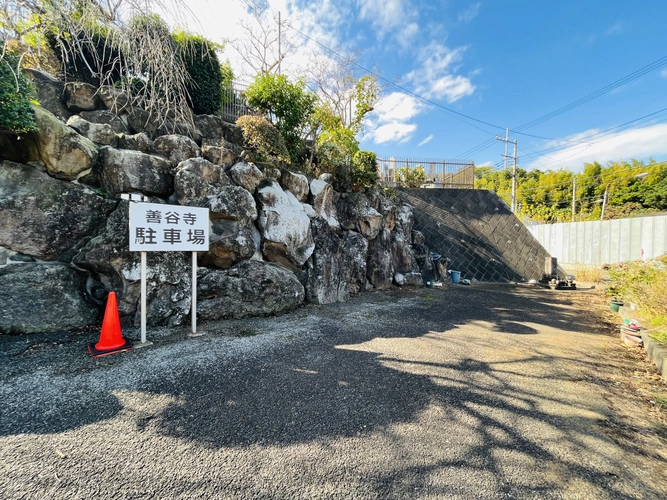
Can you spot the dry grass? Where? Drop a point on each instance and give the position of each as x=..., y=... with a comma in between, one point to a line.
x=588, y=273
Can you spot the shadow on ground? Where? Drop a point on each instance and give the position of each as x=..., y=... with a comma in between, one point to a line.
x=370, y=368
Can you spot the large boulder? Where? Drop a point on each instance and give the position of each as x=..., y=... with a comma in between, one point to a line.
x=138, y=142
x=230, y=242
x=356, y=214
x=219, y=155
x=214, y=127
x=295, y=183
x=250, y=288
x=384, y=206
x=220, y=142
x=405, y=220
x=44, y=217
x=246, y=175
x=321, y=194
x=171, y=126
x=64, y=152
x=81, y=96
x=123, y=170
x=379, y=266
x=200, y=183
x=104, y=117
x=331, y=269
x=402, y=255
x=114, y=100
x=141, y=120
x=50, y=92
x=285, y=227
x=43, y=297
x=176, y=148
x=99, y=133
x=108, y=257
x=355, y=252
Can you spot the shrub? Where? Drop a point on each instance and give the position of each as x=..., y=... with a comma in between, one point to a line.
x=16, y=116
x=410, y=177
x=645, y=284
x=288, y=105
x=364, y=171
x=263, y=138
x=201, y=63
x=335, y=149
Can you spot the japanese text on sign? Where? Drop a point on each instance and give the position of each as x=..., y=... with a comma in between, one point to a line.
x=166, y=228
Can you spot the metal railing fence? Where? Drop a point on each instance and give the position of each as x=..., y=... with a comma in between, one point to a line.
x=439, y=173
x=234, y=103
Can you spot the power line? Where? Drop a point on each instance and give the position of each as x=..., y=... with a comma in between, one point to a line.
x=403, y=89
x=600, y=136
x=604, y=90
x=463, y=117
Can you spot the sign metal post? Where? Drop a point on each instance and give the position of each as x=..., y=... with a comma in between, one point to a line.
x=143, y=299
x=167, y=228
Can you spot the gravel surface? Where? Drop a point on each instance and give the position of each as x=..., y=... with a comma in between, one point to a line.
x=460, y=392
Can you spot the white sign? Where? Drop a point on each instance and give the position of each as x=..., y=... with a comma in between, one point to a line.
x=168, y=228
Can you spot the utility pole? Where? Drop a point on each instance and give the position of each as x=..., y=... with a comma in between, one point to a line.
x=280, y=56
x=506, y=140
x=514, y=165
x=574, y=197
x=604, y=201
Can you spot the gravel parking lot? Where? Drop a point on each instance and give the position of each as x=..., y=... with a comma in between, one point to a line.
x=459, y=392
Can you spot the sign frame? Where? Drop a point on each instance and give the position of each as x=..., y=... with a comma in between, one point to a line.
x=157, y=227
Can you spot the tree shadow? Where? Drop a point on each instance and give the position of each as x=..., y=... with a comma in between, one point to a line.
x=363, y=377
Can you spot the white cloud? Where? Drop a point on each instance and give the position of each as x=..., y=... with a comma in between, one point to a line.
x=397, y=106
x=663, y=73
x=435, y=78
x=389, y=121
x=470, y=13
x=639, y=143
x=395, y=17
x=393, y=132
x=221, y=22
x=425, y=141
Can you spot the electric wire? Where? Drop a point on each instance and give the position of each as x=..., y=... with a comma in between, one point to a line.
x=594, y=95
x=517, y=130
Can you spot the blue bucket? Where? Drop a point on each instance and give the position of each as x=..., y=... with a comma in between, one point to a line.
x=456, y=276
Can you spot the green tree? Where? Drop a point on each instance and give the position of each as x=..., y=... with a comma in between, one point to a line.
x=410, y=177
x=288, y=105
x=364, y=171
x=335, y=149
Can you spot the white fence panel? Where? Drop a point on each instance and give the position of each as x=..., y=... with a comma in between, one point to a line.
x=604, y=242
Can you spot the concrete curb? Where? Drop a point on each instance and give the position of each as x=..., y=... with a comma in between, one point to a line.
x=657, y=353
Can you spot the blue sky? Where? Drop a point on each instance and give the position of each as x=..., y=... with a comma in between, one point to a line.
x=504, y=63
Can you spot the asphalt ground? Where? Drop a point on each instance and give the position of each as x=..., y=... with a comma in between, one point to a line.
x=459, y=392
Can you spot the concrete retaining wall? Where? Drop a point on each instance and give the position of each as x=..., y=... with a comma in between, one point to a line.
x=477, y=232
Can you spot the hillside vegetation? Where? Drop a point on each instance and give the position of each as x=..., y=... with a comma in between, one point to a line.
x=633, y=188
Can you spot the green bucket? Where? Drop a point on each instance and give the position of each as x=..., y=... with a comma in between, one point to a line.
x=614, y=305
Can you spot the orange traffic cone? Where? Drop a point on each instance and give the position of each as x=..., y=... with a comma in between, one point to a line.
x=111, y=338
